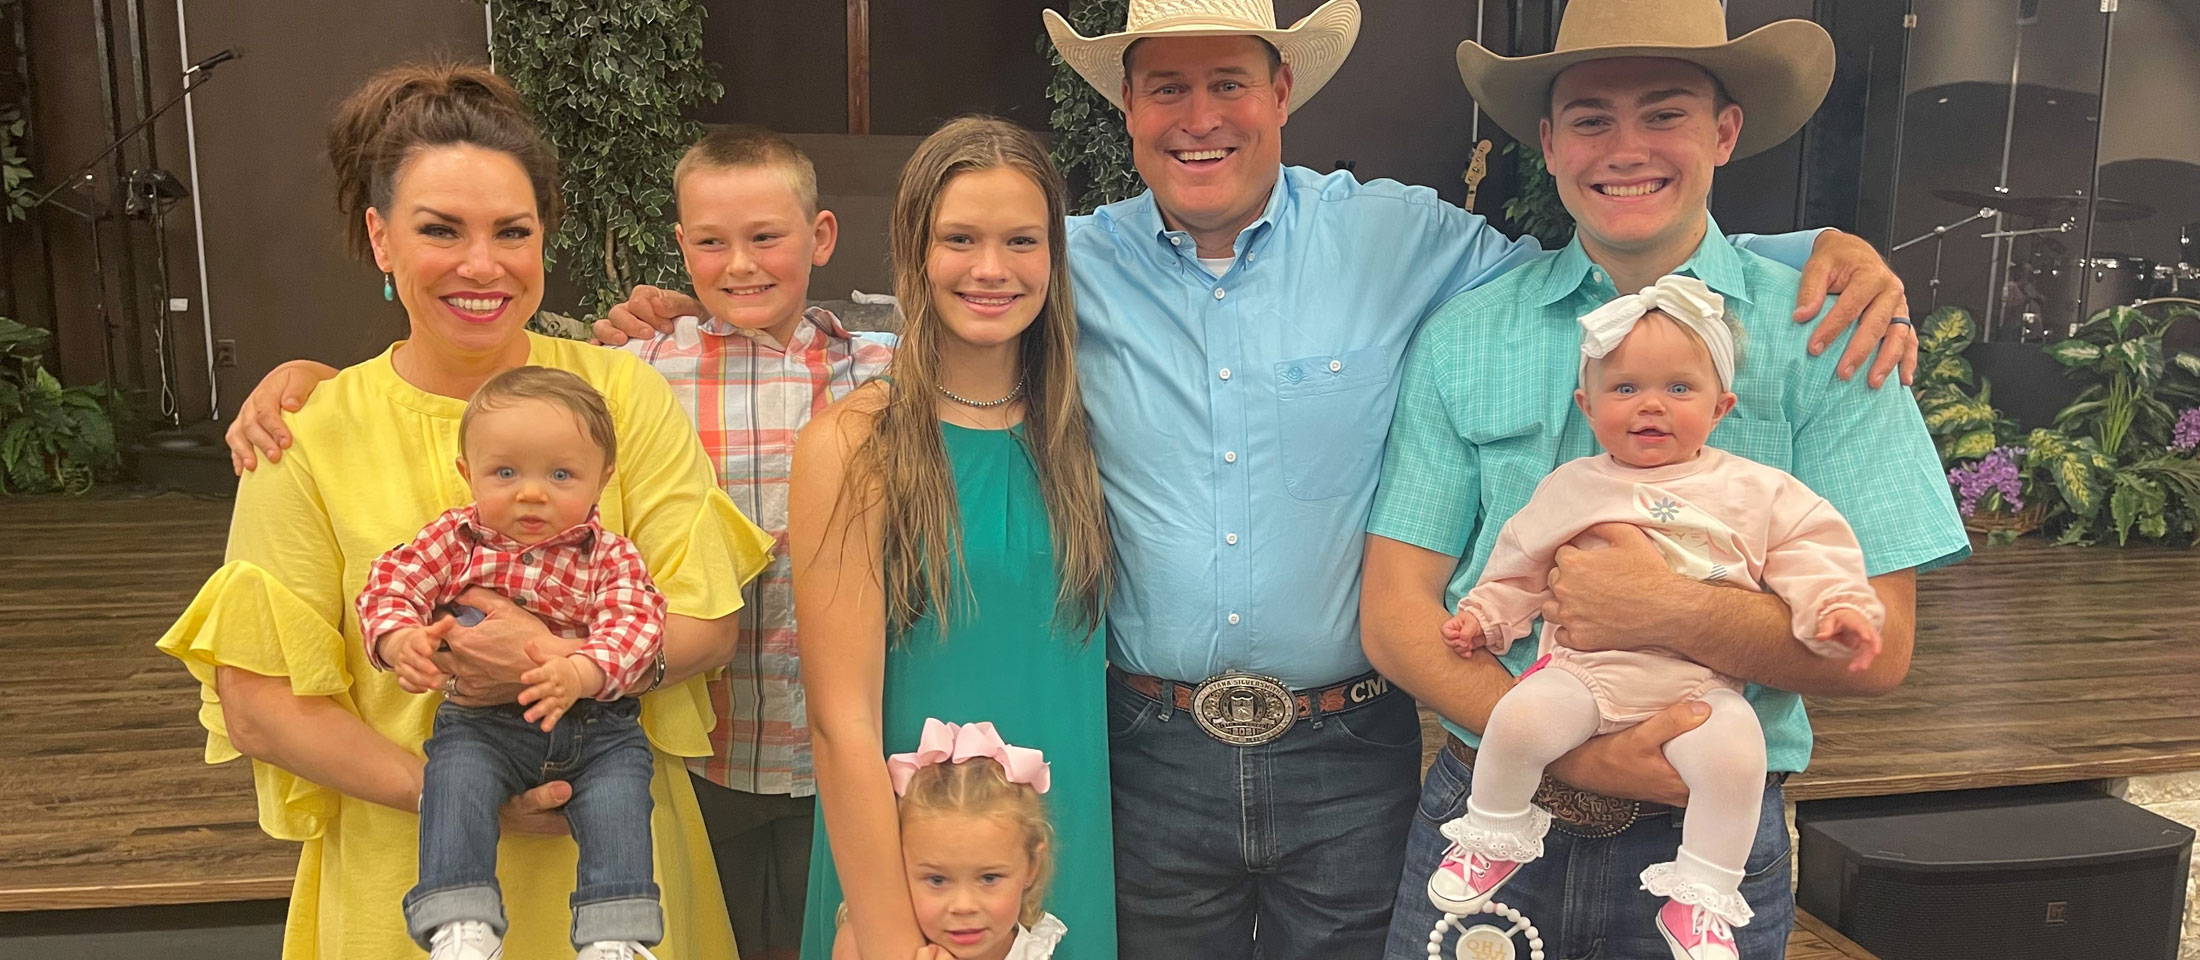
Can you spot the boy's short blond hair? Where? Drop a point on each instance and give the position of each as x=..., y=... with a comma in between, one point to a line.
x=735, y=147
x=552, y=386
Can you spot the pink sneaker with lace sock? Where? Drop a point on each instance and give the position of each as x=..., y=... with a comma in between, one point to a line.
x=1696, y=933
x=1464, y=880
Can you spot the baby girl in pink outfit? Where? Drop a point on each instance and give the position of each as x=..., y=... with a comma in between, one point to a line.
x=1655, y=371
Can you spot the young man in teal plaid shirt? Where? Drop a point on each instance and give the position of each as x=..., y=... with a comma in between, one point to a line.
x=1485, y=411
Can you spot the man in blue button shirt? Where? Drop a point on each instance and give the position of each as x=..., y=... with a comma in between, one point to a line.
x=1243, y=325
x=1635, y=111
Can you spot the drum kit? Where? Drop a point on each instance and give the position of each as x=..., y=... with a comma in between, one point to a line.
x=2051, y=287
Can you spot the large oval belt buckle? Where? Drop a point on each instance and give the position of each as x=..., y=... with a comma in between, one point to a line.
x=1243, y=709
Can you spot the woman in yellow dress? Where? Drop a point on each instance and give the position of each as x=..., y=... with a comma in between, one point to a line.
x=450, y=188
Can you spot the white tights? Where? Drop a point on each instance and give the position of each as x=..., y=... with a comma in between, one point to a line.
x=1722, y=762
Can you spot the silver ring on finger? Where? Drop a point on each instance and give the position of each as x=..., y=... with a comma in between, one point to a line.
x=450, y=687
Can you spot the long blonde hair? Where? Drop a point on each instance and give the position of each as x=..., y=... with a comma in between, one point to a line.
x=904, y=459
x=978, y=787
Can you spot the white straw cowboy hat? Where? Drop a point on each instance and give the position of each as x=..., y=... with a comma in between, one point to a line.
x=1778, y=73
x=1313, y=48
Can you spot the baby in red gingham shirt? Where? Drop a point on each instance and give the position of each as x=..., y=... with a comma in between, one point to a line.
x=537, y=448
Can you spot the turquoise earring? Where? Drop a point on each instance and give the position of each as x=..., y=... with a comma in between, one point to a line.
x=389, y=288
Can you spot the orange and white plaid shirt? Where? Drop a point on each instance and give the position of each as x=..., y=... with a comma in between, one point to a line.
x=749, y=397
x=585, y=582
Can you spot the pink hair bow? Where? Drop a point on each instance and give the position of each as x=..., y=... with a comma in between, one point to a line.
x=954, y=743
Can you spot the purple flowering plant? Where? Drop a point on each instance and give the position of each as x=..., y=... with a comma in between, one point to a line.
x=2185, y=435
x=1995, y=482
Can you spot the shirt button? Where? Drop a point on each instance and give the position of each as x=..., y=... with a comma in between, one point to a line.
x=1250, y=257
x=1176, y=241
x=1229, y=456
x=1218, y=293
x=1225, y=373
x=1231, y=539
x=1233, y=619
x=527, y=558
x=521, y=599
x=1336, y=365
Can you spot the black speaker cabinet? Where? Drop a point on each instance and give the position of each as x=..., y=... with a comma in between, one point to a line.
x=2013, y=874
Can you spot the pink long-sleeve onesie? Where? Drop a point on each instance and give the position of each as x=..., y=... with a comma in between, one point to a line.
x=1718, y=518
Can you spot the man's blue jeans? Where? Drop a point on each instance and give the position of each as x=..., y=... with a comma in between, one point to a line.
x=1584, y=895
x=1299, y=837
x=480, y=757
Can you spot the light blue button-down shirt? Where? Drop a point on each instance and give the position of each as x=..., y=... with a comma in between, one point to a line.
x=1239, y=420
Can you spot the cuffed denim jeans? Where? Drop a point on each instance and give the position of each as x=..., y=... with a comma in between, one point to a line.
x=1585, y=896
x=480, y=757
x=1298, y=839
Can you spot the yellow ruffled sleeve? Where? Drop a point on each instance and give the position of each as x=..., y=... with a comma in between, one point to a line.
x=274, y=609
x=247, y=619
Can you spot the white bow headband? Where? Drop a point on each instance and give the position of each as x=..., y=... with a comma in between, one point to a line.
x=1686, y=299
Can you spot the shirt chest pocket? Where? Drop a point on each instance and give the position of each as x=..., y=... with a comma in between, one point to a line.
x=1332, y=418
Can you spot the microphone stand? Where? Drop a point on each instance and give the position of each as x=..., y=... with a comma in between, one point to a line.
x=82, y=177
x=1936, y=235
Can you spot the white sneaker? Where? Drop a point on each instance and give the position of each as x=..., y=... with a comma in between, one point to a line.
x=614, y=950
x=465, y=940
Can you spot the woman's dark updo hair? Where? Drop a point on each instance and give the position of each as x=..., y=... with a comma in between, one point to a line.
x=415, y=106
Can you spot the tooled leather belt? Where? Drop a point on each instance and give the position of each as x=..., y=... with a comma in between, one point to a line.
x=1245, y=709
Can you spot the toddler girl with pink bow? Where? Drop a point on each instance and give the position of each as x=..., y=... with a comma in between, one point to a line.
x=976, y=844
x=1656, y=373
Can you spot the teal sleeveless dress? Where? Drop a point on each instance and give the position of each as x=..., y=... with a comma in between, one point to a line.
x=1006, y=660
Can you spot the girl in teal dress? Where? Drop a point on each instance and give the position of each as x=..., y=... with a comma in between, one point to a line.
x=950, y=546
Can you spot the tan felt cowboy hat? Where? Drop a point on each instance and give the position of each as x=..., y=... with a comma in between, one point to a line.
x=1778, y=72
x=1313, y=48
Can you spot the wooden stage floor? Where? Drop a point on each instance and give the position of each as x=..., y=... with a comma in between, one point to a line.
x=2034, y=665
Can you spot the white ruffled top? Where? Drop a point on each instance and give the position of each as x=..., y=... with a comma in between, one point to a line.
x=1037, y=942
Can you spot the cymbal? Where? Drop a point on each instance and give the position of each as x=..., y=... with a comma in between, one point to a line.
x=2047, y=207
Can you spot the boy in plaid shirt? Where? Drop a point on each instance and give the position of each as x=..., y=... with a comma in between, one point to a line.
x=536, y=449
x=751, y=374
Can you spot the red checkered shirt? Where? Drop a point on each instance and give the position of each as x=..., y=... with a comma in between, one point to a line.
x=584, y=583
x=748, y=397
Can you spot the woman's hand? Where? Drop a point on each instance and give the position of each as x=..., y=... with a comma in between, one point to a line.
x=538, y=811
x=259, y=420
x=488, y=658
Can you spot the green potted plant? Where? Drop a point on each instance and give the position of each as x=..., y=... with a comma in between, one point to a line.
x=55, y=438
x=2113, y=453
x=1995, y=489
x=1964, y=423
